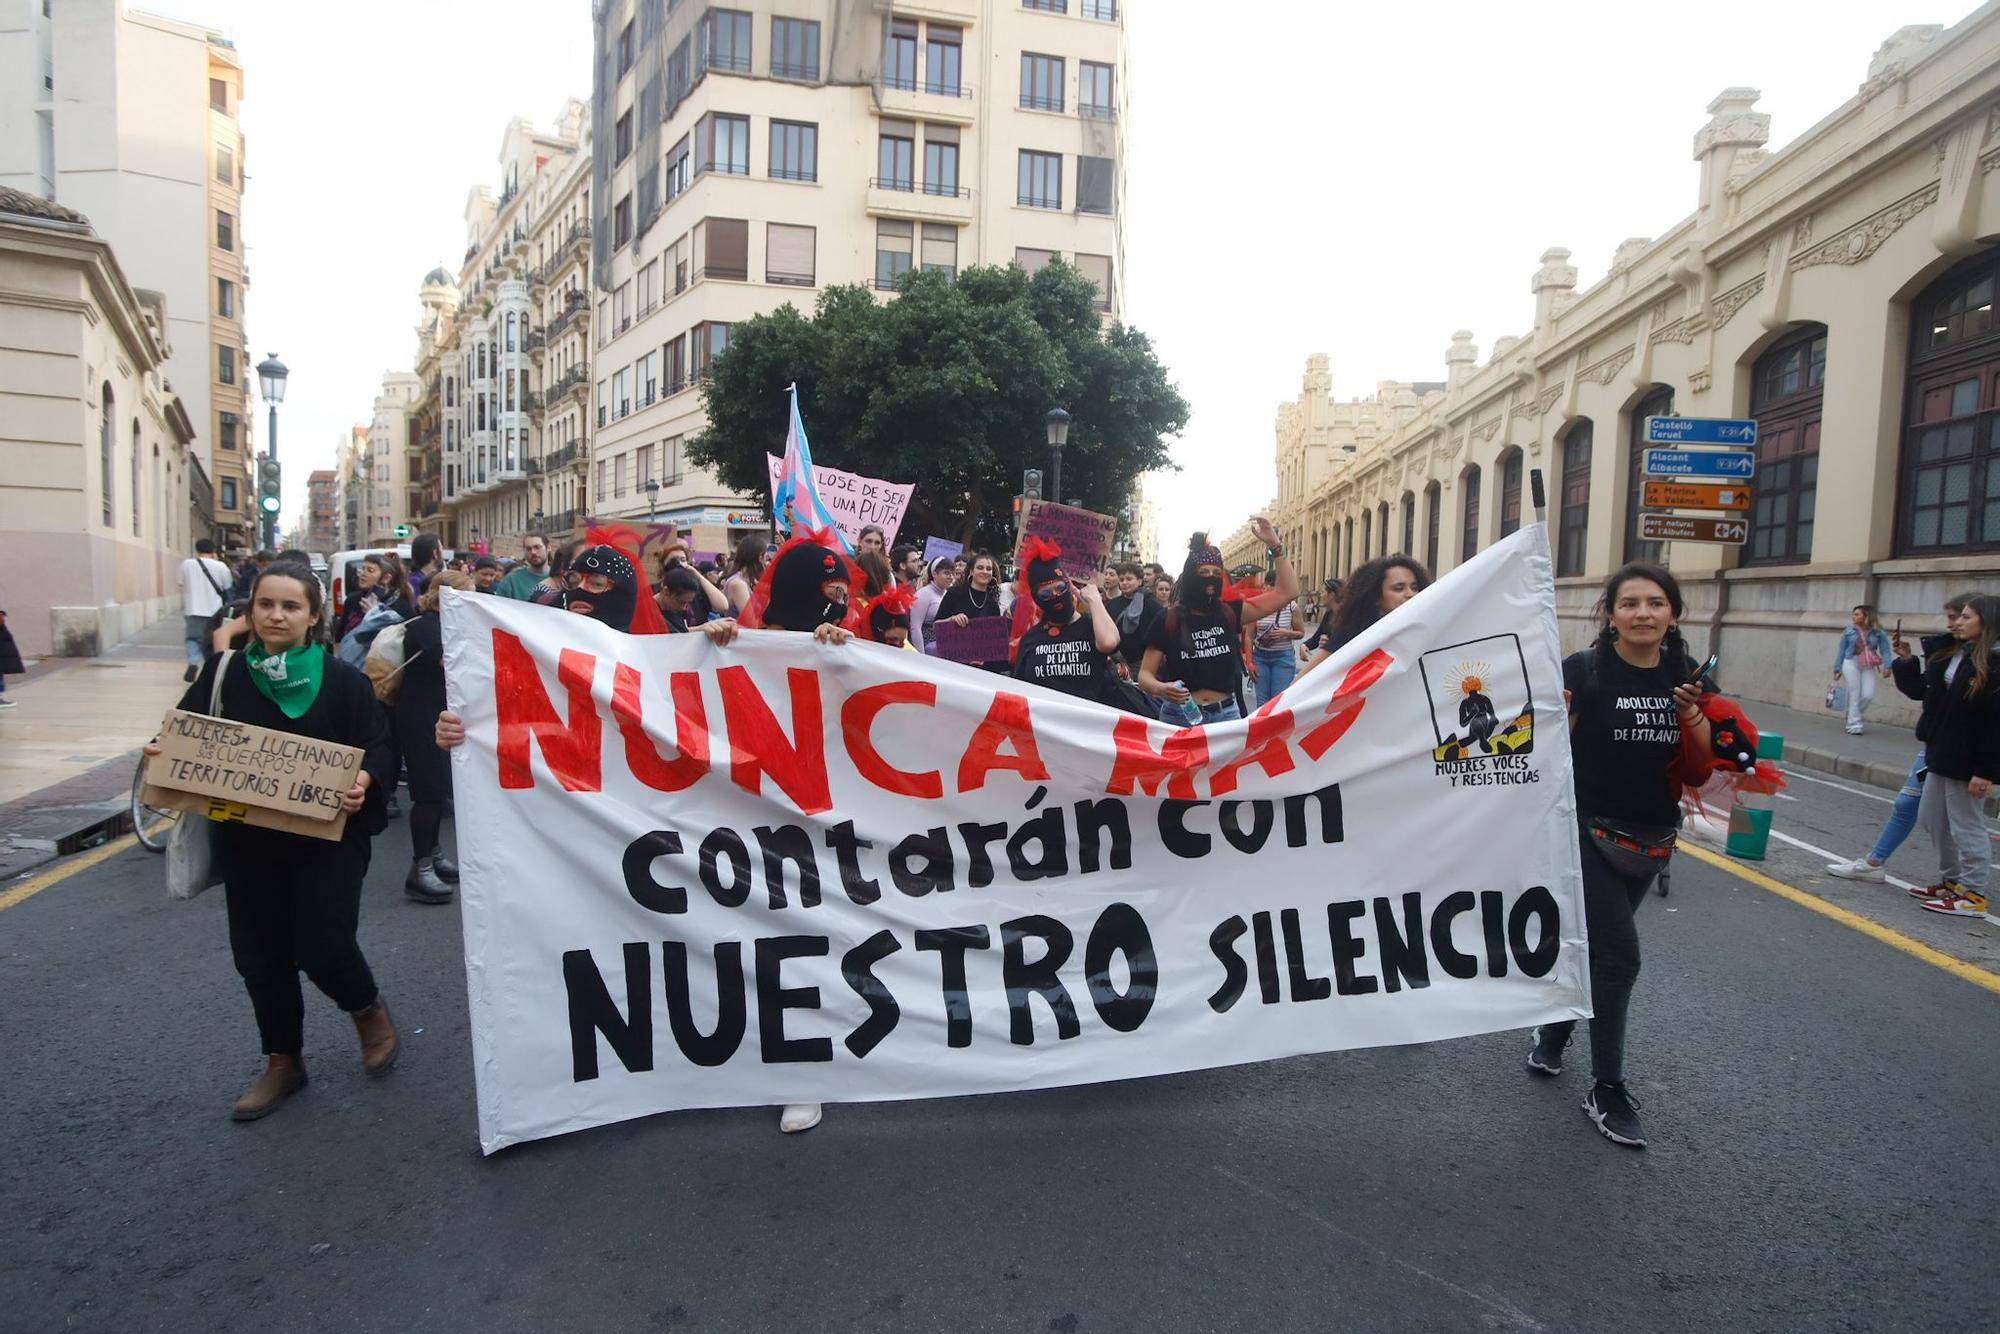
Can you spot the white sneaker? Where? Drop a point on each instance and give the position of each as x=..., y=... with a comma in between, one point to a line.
x=798, y=1116
x=6, y=703
x=1854, y=729
x=1858, y=869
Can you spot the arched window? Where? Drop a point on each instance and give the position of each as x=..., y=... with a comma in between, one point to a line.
x=1409, y=541
x=104, y=448
x=510, y=331
x=1573, y=511
x=1433, y=520
x=1347, y=549
x=1468, y=538
x=1366, y=550
x=1657, y=403
x=1510, y=492
x=1786, y=390
x=1382, y=528
x=1948, y=488
x=137, y=506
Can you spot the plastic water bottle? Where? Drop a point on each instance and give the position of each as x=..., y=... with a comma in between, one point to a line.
x=1190, y=711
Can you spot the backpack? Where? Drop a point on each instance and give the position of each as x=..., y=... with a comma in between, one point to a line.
x=385, y=662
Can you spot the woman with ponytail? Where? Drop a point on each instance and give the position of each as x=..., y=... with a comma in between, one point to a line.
x=1637, y=735
x=1958, y=680
x=1192, y=651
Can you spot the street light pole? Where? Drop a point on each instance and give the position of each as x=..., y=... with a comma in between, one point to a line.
x=271, y=376
x=652, y=490
x=1058, y=423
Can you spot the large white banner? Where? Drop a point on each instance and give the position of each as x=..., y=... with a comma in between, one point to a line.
x=790, y=872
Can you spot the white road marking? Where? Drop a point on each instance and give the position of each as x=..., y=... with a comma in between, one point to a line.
x=1791, y=774
x=1831, y=857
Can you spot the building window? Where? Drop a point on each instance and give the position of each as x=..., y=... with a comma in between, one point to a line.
x=1433, y=522
x=1093, y=90
x=940, y=161
x=942, y=49
x=1468, y=538
x=788, y=254
x=1106, y=10
x=625, y=49
x=1348, y=546
x=895, y=156
x=892, y=251
x=1787, y=389
x=899, y=55
x=794, y=49
x=1047, y=6
x=1366, y=526
x=1040, y=180
x=622, y=138
x=1409, y=541
x=1097, y=268
x=940, y=249
x=1949, y=462
x=225, y=358
x=226, y=434
x=104, y=447
x=225, y=165
x=225, y=298
x=229, y=493
x=1032, y=261
x=218, y=95
x=679, y=76
x=794, y=150
x=1658, y=403
x=1510, y=493
x=1041, y=82
x=725, y=245
x=1573, y=507
x=678, y=173
x=673, y=364
x=711, y=340
x=724, y=41
x=510, y=335
x=1096, y=184
x=722, y=144
x=621, y=223
x=225, y=230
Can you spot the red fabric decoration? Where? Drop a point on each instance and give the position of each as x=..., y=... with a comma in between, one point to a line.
x=857, y=584
x=626, y=540
x=896, y=600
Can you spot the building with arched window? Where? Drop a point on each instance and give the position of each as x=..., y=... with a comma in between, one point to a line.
x=1841, y=292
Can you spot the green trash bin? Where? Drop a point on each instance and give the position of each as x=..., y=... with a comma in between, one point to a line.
x=1749, y=831
x=1770, y=746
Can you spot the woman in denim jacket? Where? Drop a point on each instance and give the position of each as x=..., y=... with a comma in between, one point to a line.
x=1861, y=660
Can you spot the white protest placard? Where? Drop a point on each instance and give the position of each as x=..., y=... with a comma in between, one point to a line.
x=783, y=871
x=855, y=501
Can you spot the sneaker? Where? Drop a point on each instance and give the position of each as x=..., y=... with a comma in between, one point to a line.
x=798, y=1116
x=190, y=674
x=1615, y=1114
x=1962, y=904
x=1858, y=869
x=1854, y=729
x=6, y=703
x=1546, y=1056
x=1939, y=890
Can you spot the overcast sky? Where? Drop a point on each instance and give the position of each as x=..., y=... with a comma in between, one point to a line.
x=1303, y=177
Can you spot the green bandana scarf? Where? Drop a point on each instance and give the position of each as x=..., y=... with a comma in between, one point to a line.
x=290, y=679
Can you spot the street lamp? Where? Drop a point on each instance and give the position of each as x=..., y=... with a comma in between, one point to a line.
x=1058, y=421
x=652, y=490
x=271, y=375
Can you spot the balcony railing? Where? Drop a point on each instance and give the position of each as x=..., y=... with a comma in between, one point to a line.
x=783, y=69
x=947, y=89
x=1095, y=111
x=1039, y=201
x=1029, y=103
x=947, y=190
x=907, y=184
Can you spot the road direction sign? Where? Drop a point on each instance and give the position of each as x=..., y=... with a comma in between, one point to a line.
x=1718, y=465
x=1701, y=431
x=1697, y=496
x=1678, y=528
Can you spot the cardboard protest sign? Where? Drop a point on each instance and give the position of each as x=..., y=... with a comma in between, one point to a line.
x=783, y=871
x=855, y=501
x=980, y=639
x=937, y=548
x=236, y=771
x=1085, y=536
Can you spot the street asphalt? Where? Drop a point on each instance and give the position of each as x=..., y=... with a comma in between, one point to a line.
x=1820, y=1107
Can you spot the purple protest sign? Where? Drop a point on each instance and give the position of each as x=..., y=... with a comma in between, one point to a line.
x=981, y=639
x=1084, y=535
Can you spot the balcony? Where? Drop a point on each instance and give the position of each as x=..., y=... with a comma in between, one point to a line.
x=538, y=343
x=561, y=524
x=565, y=457
x=949, y=104
x=901, y=197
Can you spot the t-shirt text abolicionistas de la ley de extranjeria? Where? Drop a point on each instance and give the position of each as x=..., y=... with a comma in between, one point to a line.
x=1627, y=733
x=1067, y=660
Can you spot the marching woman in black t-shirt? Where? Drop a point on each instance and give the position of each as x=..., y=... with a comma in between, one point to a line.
x=1636, y=731
x=1192, y=650
x=1069, y=647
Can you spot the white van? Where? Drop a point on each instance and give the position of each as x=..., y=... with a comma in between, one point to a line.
x=344, y=570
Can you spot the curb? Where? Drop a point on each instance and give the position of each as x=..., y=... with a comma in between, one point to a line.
x=1874, y=773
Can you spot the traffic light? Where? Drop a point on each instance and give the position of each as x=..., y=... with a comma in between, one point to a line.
x=269, y=499
x=1031, y=482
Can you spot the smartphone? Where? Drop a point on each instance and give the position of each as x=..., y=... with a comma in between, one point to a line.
x=1707, y=667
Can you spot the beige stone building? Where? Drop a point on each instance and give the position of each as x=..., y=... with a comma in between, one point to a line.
x=382, y=469
x=746, y=157
x=1840, y=292
x=131, y=119
x=320, y=528
x=94, y=465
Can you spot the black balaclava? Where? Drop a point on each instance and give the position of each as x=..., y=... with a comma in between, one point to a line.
x=798, y=598
x=1058, y=604
x=615, y=607
x=1201, y=593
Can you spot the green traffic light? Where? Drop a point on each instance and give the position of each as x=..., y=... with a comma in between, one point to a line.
x=270, y=504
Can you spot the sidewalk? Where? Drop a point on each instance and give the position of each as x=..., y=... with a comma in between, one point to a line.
x=74, y=734
x=1819, y=742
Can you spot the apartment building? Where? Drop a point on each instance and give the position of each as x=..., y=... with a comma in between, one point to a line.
x=1840, y=292
x=746, y=157
x=321, y=530
x=350, y=486
x=131, y=119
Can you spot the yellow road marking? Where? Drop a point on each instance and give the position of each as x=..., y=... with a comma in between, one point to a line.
x=1916, y=949
x=27, y=889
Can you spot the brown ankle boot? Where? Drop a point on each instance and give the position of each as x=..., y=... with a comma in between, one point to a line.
x=284, y=1076
x=378, y=1037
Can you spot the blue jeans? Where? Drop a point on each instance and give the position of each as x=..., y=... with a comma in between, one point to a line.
x=194, y=636
x=1222, y=711
x=1275, y=669
x=1903, y=816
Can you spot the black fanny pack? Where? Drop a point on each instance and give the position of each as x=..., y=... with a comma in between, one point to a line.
x=1632, y=850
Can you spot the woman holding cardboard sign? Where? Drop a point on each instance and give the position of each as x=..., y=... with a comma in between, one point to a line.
x=294, y=901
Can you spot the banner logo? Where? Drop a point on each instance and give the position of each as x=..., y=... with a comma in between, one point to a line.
x=1482, y=711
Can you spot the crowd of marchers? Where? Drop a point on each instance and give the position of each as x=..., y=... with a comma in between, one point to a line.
x=1200, y=646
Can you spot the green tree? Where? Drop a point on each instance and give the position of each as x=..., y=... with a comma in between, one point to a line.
x=947, y=386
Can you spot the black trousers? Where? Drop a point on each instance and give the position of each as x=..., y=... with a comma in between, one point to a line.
x=294, y=904
x=1610, y=904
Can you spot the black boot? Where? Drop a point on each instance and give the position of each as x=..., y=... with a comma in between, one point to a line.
x=446, y=868
x=422, y=885
x=395, y=810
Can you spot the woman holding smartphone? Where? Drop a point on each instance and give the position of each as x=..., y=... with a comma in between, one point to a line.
x=1958, y=680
